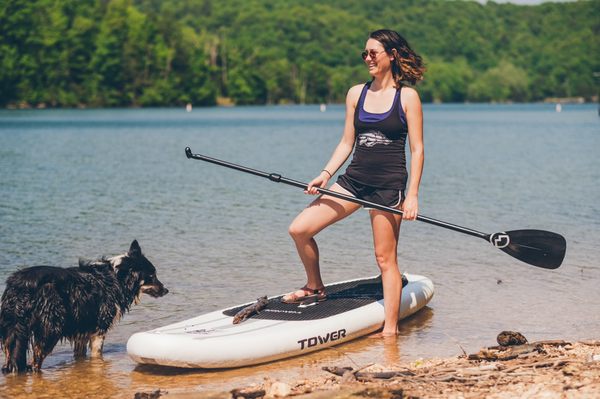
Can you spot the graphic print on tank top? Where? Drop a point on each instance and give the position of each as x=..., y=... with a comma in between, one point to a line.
x=372, y=138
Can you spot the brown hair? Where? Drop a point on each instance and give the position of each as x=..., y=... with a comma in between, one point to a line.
x=407, y=65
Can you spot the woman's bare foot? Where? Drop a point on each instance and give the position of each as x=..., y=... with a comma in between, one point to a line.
x=384, y=335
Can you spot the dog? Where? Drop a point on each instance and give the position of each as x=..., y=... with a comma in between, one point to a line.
x=43, y=305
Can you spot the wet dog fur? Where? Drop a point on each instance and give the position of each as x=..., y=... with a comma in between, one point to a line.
x=43, y=305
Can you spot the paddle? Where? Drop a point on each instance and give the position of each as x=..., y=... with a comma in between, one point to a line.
x=537, y=247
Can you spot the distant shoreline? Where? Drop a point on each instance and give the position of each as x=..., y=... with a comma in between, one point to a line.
x=549, y=100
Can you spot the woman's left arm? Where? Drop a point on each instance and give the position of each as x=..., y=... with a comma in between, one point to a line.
x=414, y=119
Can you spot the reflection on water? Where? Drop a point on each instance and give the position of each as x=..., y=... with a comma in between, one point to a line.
x=86, y=183
x=82, y=378
x=116, y=376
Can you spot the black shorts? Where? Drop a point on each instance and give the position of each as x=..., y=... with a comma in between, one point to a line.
x=382, y=196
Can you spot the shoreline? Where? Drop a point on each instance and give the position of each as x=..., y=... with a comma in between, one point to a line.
x=549, y=369
x=228, y=104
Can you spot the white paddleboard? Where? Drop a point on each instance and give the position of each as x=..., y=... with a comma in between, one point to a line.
x=353, y=309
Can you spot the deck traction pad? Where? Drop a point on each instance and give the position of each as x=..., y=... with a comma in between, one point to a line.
x=341, y=297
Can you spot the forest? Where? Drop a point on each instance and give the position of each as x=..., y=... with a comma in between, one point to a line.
x=142, y=53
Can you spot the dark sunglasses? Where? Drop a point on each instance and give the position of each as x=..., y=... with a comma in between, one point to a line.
x=370, y=53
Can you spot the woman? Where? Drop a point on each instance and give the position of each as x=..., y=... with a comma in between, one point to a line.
x=379, y=117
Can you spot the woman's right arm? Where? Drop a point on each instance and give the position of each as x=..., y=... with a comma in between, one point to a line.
x=344, y=147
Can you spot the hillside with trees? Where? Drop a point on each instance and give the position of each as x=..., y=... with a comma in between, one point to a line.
x=121, y=53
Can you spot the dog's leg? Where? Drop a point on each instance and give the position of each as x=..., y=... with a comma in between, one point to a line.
x=80, y=346
x=38, y=355
x=41, y=347
x=6, y=367
x=96, y=344
x=16, y=356
x=48, y=320
x=3, y=335
x=15, y=348
x=15, y=314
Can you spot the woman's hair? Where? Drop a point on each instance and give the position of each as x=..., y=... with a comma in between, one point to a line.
x=407, y=65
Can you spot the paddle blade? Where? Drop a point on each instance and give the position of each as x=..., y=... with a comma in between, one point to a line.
x=536, y=247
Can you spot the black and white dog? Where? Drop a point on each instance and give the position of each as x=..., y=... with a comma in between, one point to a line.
x=46, y=304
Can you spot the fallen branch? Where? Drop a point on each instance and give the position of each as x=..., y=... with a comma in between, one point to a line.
x=340, y=371
x=590, y=342
x=247, y=394
x=500, y=352
x=250, y=310
x=149, y=395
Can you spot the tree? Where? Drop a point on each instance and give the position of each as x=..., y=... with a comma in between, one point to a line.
x=446, y=81
x=500, y=83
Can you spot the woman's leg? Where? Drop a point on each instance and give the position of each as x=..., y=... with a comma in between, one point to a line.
x=321, y=213
x=386, y=231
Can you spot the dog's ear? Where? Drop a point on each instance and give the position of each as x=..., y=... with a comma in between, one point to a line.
x=134, y=249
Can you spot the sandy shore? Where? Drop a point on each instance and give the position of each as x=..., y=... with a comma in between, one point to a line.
x=544, y=369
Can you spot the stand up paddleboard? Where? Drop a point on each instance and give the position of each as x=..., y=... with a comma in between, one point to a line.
x=353, y=309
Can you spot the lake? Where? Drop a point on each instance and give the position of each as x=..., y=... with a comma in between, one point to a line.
x=85, y=183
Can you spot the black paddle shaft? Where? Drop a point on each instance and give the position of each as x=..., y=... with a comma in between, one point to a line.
x=537, y=247
x=276, y=177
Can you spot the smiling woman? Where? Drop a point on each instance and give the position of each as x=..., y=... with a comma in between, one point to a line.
x=407, y=66
x=380, y=115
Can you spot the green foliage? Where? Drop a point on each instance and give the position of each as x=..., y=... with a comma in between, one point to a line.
x=173, y=52
x=500, y=83
x=447, y=81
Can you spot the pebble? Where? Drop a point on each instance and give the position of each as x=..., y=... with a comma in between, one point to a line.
x=348, y=377
x=279, y=390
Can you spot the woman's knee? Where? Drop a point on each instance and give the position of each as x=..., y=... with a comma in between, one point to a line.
x=386, y=262
x=298, y=231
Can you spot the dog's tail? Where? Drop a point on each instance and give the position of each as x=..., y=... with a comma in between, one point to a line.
x=15, y=313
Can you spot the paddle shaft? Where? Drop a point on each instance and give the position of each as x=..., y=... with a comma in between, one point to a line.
x=275, y=177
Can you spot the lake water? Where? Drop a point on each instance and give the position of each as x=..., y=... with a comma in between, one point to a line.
x=85, y=183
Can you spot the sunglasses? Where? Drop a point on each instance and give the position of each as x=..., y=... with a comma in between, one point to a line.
x=370, y=53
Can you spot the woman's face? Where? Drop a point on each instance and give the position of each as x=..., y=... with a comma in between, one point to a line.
x=376, y=59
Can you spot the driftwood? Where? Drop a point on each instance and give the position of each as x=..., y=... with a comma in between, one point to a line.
x=149, y=395
x=503, y=354
x=250, y=310
x=493, y=353
x=556, y=367
x=590, y=342
x=366, y=375
x=461, y=374
x=517, y=360
x=247, y=394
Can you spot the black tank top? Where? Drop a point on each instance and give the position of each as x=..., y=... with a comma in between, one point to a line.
x=379, y=159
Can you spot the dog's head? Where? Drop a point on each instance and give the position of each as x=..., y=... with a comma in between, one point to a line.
x=137, y=273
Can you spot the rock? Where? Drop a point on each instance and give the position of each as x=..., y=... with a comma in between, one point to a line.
x=593, y=358
x=149, y=395
x=570, y=370
x=510, y=338
x=348, y=377
x=279, y=390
